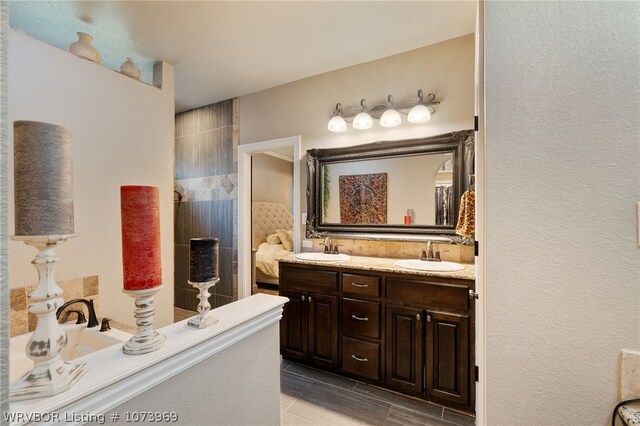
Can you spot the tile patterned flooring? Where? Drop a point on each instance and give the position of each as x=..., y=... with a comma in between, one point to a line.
x=314, y=397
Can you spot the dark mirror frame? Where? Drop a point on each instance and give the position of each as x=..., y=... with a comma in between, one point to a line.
x=460, y=143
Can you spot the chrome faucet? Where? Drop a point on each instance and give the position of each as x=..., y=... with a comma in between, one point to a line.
x=93, y=320
x=428, y=255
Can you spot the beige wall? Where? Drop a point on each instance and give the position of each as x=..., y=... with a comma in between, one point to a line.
x=271, y=180
x=563, y=180
x=304, y=107
x=122, y=133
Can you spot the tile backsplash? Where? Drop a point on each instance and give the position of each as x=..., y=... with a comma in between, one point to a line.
x=22, y=321
x=399, y=249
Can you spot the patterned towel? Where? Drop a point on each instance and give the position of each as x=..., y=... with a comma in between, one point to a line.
x=467, y=218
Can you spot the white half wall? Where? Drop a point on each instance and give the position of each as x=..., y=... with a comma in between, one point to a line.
x=122, y=134
x=562, y=183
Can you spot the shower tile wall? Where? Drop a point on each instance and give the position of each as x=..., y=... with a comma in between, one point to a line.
x=206, y=176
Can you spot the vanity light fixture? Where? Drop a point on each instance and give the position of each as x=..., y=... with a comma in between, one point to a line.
x=391, y=117
x=337, y=123
x=420, y=113
x=418, y=110
x=362, y=120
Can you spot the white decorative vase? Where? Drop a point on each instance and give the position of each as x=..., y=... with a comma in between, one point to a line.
x=83, y=48
x=130, y=69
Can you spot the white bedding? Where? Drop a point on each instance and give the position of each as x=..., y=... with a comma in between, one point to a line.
x=266, y=258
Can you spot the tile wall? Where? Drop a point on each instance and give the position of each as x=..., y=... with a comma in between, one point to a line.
x=21, y=321
x=207, y=178
x=399, y=249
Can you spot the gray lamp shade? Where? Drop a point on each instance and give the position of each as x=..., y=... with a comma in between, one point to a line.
x=203, y=259
x=43, y=179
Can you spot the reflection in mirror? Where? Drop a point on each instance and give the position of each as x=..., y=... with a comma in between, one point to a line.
x=397, y=191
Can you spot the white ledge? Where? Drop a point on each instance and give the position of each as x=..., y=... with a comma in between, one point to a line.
x=113, y=377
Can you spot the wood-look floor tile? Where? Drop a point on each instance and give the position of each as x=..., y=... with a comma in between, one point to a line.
x=284, y=364
x=286, y=400
x=288, y=419
x=400, y=416
x=293, y=384
x=327, y=404
x=321, y=376
x=400, y=400
x=459, y=418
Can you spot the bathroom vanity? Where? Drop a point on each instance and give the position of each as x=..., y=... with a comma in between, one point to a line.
x=410, y=331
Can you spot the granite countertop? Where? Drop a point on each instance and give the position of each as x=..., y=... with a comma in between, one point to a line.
x=382, y=264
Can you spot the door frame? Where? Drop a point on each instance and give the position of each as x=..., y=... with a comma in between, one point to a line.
x=244, y=203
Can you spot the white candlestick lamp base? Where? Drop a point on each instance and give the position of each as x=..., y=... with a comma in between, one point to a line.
x=146, y=338
x=202, y=321
x=50, y=375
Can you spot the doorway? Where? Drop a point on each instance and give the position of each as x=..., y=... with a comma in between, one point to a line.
x=246, y=153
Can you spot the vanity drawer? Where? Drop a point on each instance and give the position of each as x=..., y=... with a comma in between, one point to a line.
x=361, y=285
x=308, y=279
x=427, y=295
x=361, y=358
x=361, y=318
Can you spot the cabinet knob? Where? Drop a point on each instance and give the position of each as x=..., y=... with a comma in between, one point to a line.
x=428, y=318
x=418, y=317
x=309, y=299
x=473, y=295
x=303, y=297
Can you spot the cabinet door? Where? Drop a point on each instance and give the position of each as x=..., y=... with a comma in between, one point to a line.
x=323, y=330
x=293, y=327
x=448, y=356
x=404, y=346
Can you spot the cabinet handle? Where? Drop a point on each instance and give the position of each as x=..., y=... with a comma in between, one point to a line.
x=309, y=299
x=418, y=317
x=303, y=297
x=355, y=317
x=360, y=285
x=473, y=295
x=428, y=318
x=359, y=359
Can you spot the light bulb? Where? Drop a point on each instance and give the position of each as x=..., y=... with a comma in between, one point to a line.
x=390, y=118
x=419, y=114
x=337, y=124
x=362, y=121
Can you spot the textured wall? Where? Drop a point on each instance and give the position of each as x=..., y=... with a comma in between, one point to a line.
x=562, y=258
x=238, y=386
x=122, y=134
x=4, y=177
x=207, y=177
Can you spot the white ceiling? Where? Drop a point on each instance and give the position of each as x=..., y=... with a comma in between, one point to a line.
x=225, y=49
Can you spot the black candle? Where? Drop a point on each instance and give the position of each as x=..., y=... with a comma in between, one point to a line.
x=203, y=259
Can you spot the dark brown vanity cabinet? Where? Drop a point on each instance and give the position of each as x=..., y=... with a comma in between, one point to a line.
x=309, y=328
x=412, y=333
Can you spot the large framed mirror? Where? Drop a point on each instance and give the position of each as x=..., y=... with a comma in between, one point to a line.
x=399, y=189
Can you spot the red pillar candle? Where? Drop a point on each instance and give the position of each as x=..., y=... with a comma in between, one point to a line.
x=140, y=210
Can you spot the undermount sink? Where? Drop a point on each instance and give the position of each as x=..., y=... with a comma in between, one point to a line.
x=424, y=265
x=81, y=341
x=323, y=257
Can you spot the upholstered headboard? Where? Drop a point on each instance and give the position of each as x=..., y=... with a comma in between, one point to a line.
x=266, y=218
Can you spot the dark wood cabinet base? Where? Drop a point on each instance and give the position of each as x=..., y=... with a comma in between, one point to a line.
x=410, y=333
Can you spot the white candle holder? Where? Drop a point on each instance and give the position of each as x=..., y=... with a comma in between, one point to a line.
x=146, y=338
x=202, y=321
x=50, y=374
